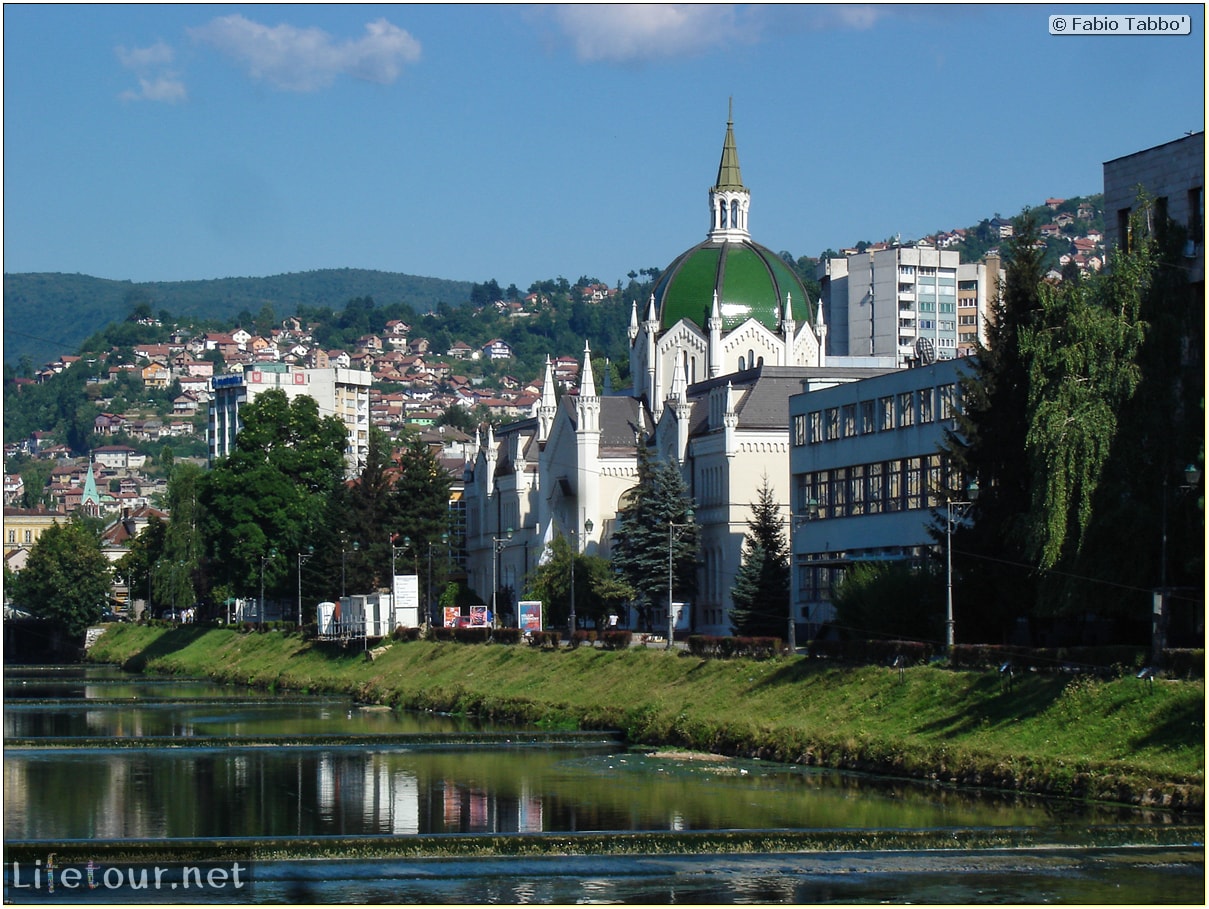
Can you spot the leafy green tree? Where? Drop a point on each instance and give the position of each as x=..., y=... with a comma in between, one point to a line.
x=644, y=538
x=1082, y=353
x=459, y=418
x=67, y=578
x=137, y=565
x=597, y=586
x=889, y=600
x=1119, y=398
x=761, y=589
x=272, y=492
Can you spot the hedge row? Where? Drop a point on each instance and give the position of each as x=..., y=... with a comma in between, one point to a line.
x=1107, y=660
x=712, y=647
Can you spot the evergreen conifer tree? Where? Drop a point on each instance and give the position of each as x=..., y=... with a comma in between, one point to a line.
x=645, y=536
x=761, y=589
x=988, y=448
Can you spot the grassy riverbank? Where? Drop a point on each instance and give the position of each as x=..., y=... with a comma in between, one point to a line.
x=1122, y=740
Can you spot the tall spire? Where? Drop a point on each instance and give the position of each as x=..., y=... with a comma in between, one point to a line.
x=728, y=168
x=90, y=501
x=729, y=199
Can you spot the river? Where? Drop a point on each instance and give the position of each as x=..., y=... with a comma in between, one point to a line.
x=334, y=793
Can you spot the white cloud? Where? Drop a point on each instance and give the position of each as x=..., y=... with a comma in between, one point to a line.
x=143, y=58
x=307, y=59
x=654, y=31
x=618, y=32
x=157, y=88
x=157, y=80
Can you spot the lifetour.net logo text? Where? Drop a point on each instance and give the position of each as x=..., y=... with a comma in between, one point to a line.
x=36, y=880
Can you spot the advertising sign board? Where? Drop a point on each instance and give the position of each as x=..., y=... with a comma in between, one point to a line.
x=531, y=615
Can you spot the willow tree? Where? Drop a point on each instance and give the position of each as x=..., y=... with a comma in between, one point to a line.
x=1083, y=370
x=1117, y=391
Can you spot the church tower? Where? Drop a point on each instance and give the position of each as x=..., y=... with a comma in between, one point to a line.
x=726, y=305
x=729, y=200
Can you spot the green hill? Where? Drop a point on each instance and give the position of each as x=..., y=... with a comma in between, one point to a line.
x=50, y=314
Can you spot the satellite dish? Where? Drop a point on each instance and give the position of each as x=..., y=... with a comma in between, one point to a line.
x=925, y=350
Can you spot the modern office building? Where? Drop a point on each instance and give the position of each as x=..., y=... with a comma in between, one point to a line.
x=339, y=392
x=867, y=473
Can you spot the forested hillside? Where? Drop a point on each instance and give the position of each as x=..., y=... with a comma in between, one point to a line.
x=49, y=314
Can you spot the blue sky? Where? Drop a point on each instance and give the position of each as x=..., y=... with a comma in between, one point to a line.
x=176, y=142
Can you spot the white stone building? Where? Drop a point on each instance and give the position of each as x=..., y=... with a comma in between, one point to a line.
x=728, y=335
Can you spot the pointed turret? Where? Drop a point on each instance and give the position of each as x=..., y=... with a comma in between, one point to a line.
x=714, y=329
x=587, y=403
x=820, y=332
x=587, y=382
x=677, y=401
x=547, y=407
x=490, y=452
x=679, y=390
x=788, y=327
x=729, y=199
x=587, y=441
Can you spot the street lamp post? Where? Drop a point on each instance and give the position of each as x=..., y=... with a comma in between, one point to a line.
x=812, y=512
x=497, y=546
x=303, y=558
x=1192, y=479
x=432, y=606
x=272, y=553
x=955, y=510
x=343, y=559
x=672, y=527
x=574, y=556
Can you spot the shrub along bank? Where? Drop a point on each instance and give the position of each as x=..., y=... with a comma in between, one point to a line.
x=1124, y=740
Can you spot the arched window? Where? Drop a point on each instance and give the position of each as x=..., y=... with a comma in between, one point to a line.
x=741, y=364
x=734, y=212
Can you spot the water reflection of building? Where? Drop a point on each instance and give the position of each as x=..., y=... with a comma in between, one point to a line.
x=369, y=793
x=365, y=793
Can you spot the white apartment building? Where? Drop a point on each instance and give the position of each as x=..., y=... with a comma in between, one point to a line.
x=902, y=302
x=339, y=392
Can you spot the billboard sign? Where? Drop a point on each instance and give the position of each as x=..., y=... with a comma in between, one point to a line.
x=531, y=615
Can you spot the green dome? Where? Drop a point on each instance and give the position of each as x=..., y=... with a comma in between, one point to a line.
x=752, y=282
